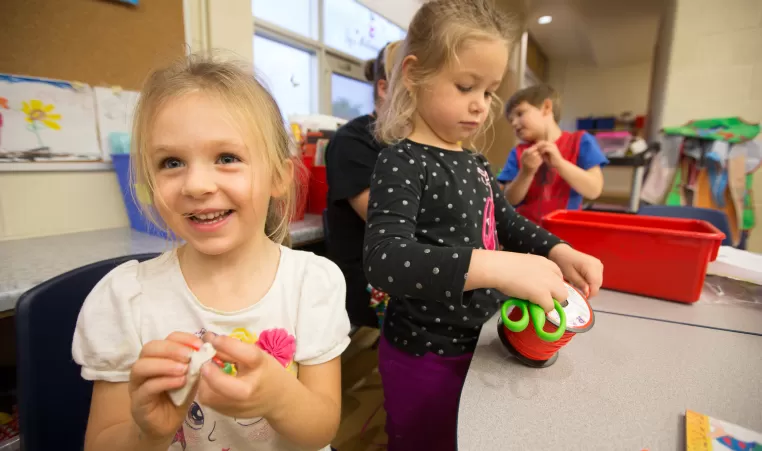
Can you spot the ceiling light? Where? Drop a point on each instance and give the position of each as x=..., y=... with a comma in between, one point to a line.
x=544, y=20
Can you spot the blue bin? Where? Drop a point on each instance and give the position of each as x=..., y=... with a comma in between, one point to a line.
x=137, y=220
x=605, y=123
x=585, y=123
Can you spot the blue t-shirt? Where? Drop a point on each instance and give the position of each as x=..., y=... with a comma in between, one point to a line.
x=590, y=155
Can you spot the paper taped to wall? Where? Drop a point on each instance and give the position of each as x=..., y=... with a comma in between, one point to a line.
x=115, y=109
x=46, y=120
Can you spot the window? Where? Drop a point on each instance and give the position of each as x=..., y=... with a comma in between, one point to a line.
x=311, y=54
x=290, y=75
x=350, y=98
x=299, y=16
x=354, y=29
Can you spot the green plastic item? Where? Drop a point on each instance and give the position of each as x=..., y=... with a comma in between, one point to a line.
x=538, y=318
x=749, y=221
x=731, y=129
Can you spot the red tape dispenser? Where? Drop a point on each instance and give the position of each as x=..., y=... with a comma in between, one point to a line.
x=538, y=347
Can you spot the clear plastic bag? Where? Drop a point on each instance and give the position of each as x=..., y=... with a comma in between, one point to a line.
x=723, y=290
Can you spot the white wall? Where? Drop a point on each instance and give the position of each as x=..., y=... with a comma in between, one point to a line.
x=713, y=69
x=589, y=90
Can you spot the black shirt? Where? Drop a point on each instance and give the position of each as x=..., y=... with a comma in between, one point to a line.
x=350, y=157
x=429, y=208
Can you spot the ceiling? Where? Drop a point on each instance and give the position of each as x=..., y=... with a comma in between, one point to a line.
x=398, y=11
x=601, y=33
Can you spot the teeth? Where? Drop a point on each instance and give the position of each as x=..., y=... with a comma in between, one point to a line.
x=207, y=216
x=210, y=216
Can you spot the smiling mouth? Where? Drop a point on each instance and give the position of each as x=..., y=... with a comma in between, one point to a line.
x=209, y=218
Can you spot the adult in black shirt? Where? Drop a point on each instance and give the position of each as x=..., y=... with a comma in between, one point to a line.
x=350, y=158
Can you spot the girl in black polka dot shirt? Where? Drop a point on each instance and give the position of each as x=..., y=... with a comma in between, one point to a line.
x=437, y=221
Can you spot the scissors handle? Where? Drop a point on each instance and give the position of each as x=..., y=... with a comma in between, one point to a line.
x=523, y=322
x=538, y=318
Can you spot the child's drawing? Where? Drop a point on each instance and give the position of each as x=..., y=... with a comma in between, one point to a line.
x=46, y=120
x=115, y=108
x=708, y=433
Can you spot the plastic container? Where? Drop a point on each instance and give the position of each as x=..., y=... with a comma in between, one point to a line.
x=137, y=220
x=318, y=192
x=605, y=123
x=585, y=123
x=663, y=258
x=613, y=142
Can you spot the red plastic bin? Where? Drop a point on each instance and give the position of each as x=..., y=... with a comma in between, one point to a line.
x=663, y=258
x=318, y=191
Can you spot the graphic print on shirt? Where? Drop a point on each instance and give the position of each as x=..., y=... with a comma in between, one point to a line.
x=489, y=232
x=203, y=428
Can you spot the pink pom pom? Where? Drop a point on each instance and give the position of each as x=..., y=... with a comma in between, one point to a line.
x=279, y=344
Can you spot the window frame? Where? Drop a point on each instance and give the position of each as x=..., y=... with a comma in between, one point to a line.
x=329, y=60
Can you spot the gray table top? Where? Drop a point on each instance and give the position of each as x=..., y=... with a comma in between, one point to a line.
x=736, y=317
x=623, y=385
x=25, y=263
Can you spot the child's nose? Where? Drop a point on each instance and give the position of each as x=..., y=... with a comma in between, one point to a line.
x=199, y=182
x=478, y=105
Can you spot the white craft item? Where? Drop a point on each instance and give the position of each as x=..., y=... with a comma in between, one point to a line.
x=198, y=359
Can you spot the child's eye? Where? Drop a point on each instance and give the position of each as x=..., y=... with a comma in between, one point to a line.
x=463, y=88
x=487, y=95
x=228, y=159
x=170, y=163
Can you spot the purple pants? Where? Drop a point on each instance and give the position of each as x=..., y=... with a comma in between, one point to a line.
x=421, y=398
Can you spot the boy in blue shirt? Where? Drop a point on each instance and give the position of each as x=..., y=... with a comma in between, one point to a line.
x=551, y=169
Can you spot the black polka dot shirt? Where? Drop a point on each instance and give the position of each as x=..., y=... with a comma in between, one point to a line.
x=428, y=209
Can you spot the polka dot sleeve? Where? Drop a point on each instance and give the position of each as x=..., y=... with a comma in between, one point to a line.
x=515, y=232
x=395, y=261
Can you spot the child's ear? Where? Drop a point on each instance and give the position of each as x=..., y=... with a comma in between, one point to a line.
x=407, y=65
x=547, y=107
x=282, y=179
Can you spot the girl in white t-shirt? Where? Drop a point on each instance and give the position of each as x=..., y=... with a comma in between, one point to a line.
x=212, y=157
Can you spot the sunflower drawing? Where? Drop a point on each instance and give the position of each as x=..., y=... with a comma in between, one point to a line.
x=38, y=114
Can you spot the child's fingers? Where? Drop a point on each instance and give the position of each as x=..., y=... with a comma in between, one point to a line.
x=147, y=368
x=186, y=339
x=167, y=349
x=594, y=279
x=236, y=351
x=558, y=291
x=576, y=279
x=545, y=301
x=222, y=384
x=156, y=386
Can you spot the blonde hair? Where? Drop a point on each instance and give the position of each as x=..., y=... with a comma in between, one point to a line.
x=253, y=110
x=438, y=31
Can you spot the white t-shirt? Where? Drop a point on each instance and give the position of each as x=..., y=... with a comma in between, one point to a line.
x=301, y=320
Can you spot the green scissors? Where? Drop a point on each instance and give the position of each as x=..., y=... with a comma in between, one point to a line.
x=538, y=318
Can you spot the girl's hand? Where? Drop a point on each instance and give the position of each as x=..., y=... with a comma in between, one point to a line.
x=255, y=391
x=533, y=278
x=161, y=367
x=581, y=270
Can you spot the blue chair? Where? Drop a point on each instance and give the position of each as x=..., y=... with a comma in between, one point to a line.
x=714, y=217
x=53, y=400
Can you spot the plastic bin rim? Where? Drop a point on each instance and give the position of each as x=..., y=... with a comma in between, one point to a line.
x=715, y=233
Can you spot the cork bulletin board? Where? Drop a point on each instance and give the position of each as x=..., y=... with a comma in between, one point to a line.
x=98, y=42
